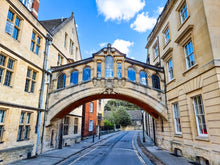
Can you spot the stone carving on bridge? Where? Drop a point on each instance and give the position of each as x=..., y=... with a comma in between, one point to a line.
x=109, y=91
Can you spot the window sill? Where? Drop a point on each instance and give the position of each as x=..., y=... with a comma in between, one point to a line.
x=181, y=24
x=202, y=138
x=166, y=44
x=173, y=80
x=178, y=135
x=194, y=66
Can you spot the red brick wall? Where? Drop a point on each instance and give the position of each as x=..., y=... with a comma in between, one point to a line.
x=87, y=115
x=35, y=7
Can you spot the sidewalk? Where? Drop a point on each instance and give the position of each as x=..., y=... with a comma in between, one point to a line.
x=57, y=155
x=163, y=155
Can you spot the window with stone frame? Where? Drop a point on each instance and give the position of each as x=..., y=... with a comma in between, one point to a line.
x=76, y=120
x=13, y=24
x=155, y=82
x=35, y=43
x=99, y=69
x=143, y=78
x=74, y=77
x=61, y=81
x=119, y=72
x=65, y=40
x=200, y=116
x=27, y=3
x=24, y=126
x=91, y=107
x=66, y=126
x=30, y=80
x=109, y=67
x=86, y=74
x=176, y=117
x=183, y=12
x=189, y=54
x=59, y=60
x=170, y=69
x=156, y=51
x=6, y=69
x=2, y=120
x=71, y=47
x=166, y=35
x=131, y=74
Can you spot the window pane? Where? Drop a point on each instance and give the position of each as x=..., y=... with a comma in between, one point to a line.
x=109, y=67
x=10, y=15
x=17, y=22
x=2, y=60
x=9, y=27
x=10, y=63
x=37, y=50
x=8, y=78
x=74, y=77
x=26, y=89
x=119, y=70
x=22, y=118
x=91, y=107
x=28, y=118
x=26, y=132
x=32, y=46
x=156, y=82
x=86, y=74
x=1, y=132
x=20, y=132
x=98, y=70
x=61, y=81
x=143, y=78
x=170, y=70
x=90, y=125
x=34, y=75
x=15, y=33
x=38, y=40
x=32, y=87
x=2, y=115
x=33, y=36
x=131, y=74
x=1, y=74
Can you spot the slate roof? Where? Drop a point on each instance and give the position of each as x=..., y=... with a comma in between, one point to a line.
x=54, y=25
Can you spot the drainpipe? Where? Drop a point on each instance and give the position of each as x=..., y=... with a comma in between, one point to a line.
x=42, y=90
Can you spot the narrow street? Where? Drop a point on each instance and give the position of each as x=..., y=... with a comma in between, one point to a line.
x=118, y=150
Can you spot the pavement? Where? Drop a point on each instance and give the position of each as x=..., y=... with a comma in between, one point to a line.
x=163, y=155
x=57, y=155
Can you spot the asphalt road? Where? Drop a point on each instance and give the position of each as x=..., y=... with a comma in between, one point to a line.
x=116, y=150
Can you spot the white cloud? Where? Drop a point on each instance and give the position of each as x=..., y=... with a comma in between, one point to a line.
x=122, y=45
x=104, y=44
x=119, y=9
x=143, y=22
x=159, y=10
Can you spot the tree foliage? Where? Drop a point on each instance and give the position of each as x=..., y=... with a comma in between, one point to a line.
x=122, y=117
x=113, y=105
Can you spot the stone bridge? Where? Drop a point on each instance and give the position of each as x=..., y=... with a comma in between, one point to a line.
x=108, y=74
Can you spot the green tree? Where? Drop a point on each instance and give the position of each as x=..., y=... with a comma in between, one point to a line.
x=108, y=124
x=122, y=117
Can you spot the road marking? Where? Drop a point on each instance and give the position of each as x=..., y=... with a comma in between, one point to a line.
x=135, y=150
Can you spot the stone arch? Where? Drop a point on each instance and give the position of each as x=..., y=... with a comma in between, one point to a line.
x=70, y=99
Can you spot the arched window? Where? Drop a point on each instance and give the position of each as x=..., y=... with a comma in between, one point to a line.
x=156, y=82
x=109, y=67
x=86, y=74
x=131, y=74
x=74, y=77
x=61, y=81
x=143, y=78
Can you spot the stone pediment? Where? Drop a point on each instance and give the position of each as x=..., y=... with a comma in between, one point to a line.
x=109, y=50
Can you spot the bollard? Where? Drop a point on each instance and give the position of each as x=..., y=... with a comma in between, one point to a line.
x=99, y=135
x=93, y=138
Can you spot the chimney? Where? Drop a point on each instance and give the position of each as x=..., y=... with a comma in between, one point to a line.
x=35, y=7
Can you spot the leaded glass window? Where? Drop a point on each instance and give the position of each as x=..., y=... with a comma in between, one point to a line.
x=109, y=67
x=74, y=77
x=131, y=74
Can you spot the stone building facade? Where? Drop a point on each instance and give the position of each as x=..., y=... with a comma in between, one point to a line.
x=28, y=48
x=185, y=41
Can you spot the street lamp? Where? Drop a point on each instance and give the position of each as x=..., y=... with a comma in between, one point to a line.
x=142, y=111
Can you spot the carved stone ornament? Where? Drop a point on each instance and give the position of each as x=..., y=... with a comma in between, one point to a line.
x=109, y=91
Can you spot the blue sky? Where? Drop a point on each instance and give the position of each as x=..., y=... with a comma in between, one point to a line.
x=123, y=23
